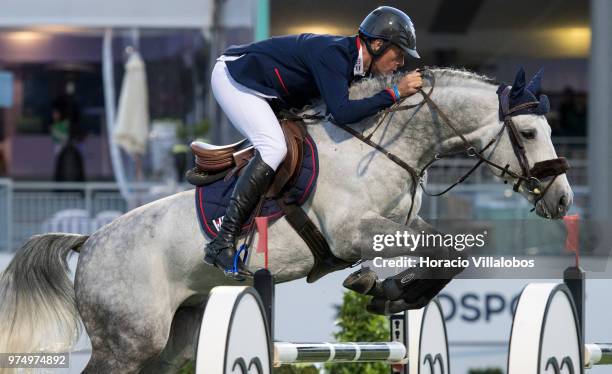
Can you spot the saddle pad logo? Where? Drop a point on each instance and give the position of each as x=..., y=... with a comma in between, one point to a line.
x=217, y=223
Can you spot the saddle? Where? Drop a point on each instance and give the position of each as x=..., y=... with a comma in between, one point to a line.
x=214, y=162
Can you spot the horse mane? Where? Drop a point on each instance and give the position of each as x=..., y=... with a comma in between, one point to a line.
x=444, y=77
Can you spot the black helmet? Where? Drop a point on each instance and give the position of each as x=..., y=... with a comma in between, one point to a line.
x=392, y=25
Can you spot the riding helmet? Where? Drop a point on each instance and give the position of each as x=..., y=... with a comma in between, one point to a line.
x=391, y=25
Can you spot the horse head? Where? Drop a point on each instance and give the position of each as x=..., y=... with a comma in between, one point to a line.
x=525, y=150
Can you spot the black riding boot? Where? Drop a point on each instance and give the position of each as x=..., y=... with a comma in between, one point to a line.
x=251, y=185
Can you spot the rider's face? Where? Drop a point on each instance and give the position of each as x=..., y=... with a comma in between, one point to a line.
x=391, y=60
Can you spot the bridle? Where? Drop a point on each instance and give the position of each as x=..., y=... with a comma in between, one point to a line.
x=530, y=177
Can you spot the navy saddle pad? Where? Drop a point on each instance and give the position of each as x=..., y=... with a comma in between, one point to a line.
x=212, y=200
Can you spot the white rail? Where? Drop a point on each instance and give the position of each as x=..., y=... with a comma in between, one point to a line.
x=289, y=353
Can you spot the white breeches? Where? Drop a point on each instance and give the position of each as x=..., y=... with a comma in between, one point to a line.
x=251, y=114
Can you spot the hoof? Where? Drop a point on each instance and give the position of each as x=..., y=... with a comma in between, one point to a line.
x=386, y=307
x=362, y=281
x=423, y=291
x=378, y=306
x=391, y=289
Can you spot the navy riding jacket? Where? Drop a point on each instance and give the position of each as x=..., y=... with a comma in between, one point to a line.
x=299, y=68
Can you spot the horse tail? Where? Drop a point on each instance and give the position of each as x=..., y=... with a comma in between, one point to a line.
x=37, y=302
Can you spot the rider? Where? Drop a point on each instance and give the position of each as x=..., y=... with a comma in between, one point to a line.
x=293, y=70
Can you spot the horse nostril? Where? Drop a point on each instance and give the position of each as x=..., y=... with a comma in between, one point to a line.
x=565, y=202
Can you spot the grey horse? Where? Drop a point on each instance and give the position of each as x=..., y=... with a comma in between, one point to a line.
x=141, y=284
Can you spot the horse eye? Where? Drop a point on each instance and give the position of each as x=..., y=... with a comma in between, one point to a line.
x=528, y=134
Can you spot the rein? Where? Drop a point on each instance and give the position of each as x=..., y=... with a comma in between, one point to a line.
x=531, y=177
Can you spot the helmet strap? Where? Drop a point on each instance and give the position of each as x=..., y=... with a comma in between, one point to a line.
x=375, y=54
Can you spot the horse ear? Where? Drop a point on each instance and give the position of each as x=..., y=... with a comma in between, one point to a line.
x=543, y=106
x=535, y=84
x=519, y=83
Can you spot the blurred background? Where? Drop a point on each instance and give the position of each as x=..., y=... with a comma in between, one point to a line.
x=100, y=100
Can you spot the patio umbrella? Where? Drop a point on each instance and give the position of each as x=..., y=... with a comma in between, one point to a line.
x=132, y=126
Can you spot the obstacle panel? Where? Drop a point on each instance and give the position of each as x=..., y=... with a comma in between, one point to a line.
x=234, y=335
x=428, y=341
x=545, y=335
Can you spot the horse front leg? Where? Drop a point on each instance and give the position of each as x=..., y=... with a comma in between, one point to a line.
x=414, y=287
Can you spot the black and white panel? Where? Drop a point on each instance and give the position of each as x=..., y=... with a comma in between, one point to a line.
x=545, y=334
x=428, y=341
x=234, y=336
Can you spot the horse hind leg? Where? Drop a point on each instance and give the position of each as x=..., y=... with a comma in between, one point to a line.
x=99, y=362
x=181, y=345
x=124, y=335
x=179, y=349
x=124, y=344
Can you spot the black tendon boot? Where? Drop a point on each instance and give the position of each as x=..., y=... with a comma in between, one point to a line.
x=251, y=185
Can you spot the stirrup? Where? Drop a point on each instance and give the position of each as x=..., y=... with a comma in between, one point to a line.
x=234, y=272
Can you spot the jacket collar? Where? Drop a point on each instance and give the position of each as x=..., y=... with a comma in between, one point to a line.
x=359, y=68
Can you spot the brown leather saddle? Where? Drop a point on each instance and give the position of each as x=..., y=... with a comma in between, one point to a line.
x=216, y=162
x=230, y=159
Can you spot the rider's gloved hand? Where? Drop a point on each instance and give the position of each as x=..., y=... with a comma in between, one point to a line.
x=410, y=83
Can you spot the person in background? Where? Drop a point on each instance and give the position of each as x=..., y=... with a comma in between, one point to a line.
x=572, y=114
x=65, y=132
x=60, y=131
